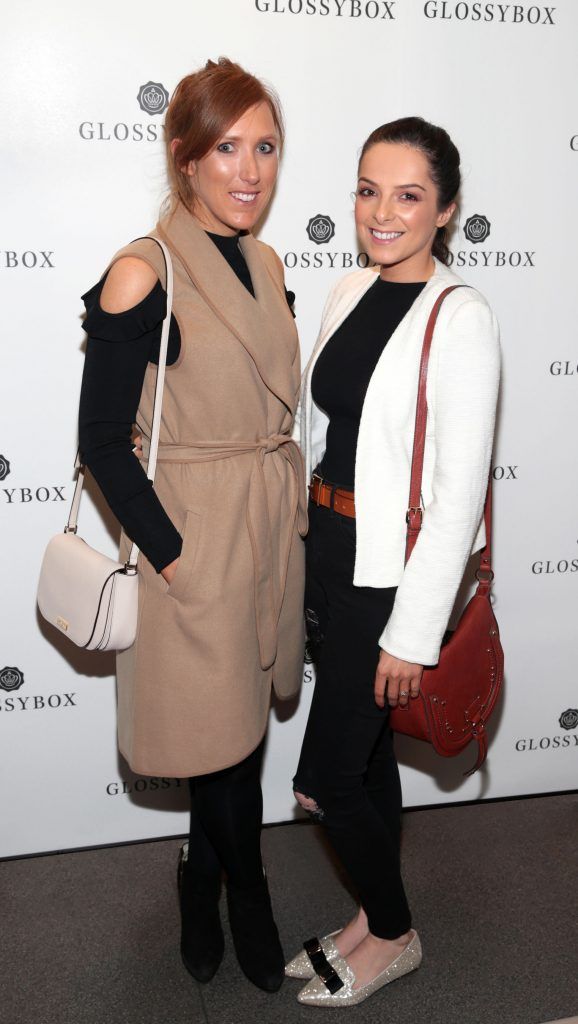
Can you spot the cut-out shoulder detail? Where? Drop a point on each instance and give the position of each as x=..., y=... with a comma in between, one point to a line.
x=128, y=282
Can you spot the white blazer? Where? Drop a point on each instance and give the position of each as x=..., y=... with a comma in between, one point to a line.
x=462, y=390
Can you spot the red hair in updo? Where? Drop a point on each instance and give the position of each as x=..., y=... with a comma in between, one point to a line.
x=201, y=109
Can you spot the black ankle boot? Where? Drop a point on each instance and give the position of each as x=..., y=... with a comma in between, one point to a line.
x=202, y=940
x=255, y=935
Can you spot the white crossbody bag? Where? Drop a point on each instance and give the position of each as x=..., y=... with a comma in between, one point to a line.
x=90, y=598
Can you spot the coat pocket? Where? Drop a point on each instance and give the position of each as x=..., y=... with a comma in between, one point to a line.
x=180, y=582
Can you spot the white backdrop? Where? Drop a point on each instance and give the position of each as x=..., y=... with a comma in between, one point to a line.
x=82, y=174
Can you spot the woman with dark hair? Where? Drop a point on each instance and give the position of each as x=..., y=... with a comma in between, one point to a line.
x=221, y=569
x=373, y=623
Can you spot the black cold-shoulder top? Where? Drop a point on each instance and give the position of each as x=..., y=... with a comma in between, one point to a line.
x=119, y=349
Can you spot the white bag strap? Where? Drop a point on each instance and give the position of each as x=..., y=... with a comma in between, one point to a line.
x=72, y=524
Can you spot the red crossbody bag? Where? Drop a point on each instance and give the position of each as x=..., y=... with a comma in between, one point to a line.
x=458, y=695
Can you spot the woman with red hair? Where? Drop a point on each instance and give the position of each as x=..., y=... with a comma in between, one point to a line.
x=221, y=564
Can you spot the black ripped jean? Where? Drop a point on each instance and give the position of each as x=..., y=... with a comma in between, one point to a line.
x=347, y=762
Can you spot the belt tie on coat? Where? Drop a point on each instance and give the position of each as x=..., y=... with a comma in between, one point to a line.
x=268, y=598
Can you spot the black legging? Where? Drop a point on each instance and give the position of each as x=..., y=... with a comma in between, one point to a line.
x=226, y=818
x=347, y=762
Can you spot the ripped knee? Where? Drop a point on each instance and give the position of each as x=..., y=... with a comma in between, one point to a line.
x=310, y=805
x=307, y=802
x=314, y=637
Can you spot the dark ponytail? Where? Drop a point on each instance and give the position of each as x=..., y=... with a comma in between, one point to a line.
x=443, y=158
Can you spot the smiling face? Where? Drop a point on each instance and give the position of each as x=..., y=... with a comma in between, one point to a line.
x=396, y=211
x=234, y=181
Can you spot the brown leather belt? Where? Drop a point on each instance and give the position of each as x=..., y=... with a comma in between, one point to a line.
x=322, y=493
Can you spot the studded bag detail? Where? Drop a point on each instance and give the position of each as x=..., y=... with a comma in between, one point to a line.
x=458, y=695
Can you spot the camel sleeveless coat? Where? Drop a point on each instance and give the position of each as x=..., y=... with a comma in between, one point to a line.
x=194, y=690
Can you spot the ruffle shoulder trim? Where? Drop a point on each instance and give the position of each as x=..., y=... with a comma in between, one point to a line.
x=129, y=325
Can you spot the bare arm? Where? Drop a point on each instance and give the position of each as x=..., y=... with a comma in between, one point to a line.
x=128, y=282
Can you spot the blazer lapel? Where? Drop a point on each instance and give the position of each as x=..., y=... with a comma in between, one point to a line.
x=249, y=319
x=409, y=333
x=347, y=301
x=353, y=289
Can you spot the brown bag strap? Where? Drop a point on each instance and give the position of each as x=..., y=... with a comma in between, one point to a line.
x=414, y=514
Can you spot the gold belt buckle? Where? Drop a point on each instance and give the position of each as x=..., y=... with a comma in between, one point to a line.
x=320, y=479
x=416, y=511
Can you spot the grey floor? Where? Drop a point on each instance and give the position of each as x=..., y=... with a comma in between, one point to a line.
x=92, y=937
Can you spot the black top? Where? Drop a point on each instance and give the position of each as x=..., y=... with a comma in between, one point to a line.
x=344, y=368
x=119, y=348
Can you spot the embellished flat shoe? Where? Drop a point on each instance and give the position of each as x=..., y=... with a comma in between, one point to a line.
x=334, y=986
x=304, y=965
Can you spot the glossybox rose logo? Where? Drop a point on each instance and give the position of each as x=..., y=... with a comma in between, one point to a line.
x=477, y=228
x=11, y=679
x=321, y=228
x=153, y=98
x=569, y=718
